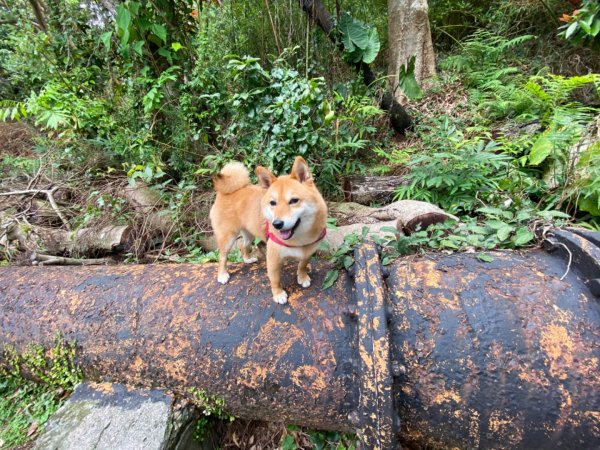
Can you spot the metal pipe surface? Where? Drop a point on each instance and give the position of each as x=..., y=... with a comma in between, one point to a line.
x=432, y=351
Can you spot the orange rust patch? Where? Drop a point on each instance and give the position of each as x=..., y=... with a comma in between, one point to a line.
x=106, y=388
x=431, y=276
x=276, y=335
x=241, y=350
x=308, y=377
x=474, y=428
x=449, y=302
x=506, y=428
x=537, y=377
x=558, y=346
x=446, y=396
x=252, y=375
x=137, y=364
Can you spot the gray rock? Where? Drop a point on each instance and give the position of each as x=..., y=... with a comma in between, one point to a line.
x=114, y=417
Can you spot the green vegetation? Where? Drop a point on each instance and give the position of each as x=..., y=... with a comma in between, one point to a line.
x=26, y=405
x=212, y=409
x=297, y=438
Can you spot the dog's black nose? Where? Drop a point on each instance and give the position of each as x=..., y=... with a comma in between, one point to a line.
x=278, y=224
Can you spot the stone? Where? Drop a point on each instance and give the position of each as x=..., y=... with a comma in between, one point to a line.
x=105, y=416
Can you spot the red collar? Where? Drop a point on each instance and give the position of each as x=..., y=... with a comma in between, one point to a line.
x=275, y=239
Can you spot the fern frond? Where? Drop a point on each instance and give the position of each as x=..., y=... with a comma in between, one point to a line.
x=12, y=110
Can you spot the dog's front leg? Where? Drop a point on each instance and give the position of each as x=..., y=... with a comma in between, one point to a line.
x=303, y=278
x=274, y=266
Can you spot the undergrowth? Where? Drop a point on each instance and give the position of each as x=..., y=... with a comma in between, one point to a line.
x=25, y=405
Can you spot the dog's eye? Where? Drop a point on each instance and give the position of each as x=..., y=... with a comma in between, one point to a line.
x=293, y=201
x=272, y=203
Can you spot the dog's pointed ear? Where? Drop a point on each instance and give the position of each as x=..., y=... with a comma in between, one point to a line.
x=300, y=170
x=265, y=177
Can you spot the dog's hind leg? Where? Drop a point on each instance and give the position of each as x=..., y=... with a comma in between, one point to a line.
x=225, y=243
x=246, y=246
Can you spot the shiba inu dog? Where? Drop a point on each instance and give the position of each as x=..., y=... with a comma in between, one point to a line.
x=287, y=212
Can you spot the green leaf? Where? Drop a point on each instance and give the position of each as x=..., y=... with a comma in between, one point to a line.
x=504, y=232
x=595, y=28
x=522, y=237
x=571, y=30
x=137, y=47
x=373, y=46
x=176, y=46
x=134, y=7
x=354, y=33
x=484, y=257
x=123, y=18
x=329, y=117
x=330, y=278
x=361, y=41
x=160, y=31
x=288, y=443
x=348, y=261
x=540, y=150
x=590, y=204
x=585, y=27
x=407, y=81
x=105, y=38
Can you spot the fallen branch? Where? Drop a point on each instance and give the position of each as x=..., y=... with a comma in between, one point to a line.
x=367, y=190
x=51, y=260
x=404, y=215
x=85, y=241
x=49, y=193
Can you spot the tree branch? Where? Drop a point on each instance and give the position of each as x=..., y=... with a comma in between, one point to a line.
x=49, y=193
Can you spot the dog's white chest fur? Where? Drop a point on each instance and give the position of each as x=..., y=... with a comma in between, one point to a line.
x=291, y=252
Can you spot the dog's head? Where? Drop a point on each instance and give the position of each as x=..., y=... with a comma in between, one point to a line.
x=292, y=203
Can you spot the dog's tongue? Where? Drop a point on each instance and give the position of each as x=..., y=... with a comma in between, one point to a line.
x=285, y=234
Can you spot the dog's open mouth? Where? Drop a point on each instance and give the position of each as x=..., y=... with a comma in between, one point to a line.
x=287, y=234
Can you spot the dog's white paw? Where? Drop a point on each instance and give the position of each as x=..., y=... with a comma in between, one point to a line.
x=304, y=282
x=223, y=278
x=280, y=298
x=250, y=260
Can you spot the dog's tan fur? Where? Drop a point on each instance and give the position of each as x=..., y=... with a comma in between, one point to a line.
x=242, y=209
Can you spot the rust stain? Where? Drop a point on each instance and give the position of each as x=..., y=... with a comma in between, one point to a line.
x=283, y=335
x=252, y=375
x=536, y=377
x=105, y=388
x=137, y=364
x=474, y=433
x=241, y=350
x=431, y=276
x=505, y=428
x=558, y=346
x=447, y=396
x=308, y=377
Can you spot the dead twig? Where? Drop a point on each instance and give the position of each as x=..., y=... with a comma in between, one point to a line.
x=49, y=193
x=570, y=260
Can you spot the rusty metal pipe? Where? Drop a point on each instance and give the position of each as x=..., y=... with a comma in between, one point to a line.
x=430, y=351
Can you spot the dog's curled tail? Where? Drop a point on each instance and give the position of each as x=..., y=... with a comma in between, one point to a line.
x=232, y=177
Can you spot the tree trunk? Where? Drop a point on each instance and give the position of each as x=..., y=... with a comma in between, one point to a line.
x=404, y=215
x=365, y=190
x=54, y=241
x=38, y=10
x=409, y=35
x=143, y=199
x=399, y=118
